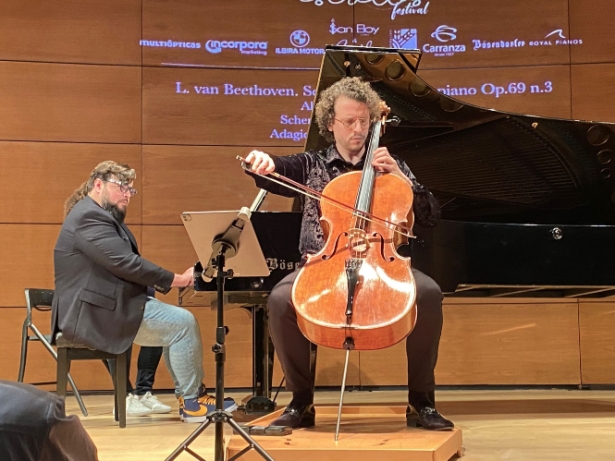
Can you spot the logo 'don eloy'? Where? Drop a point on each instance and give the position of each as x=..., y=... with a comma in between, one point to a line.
x=444, y=33
x=299, y=38
x=335, y=29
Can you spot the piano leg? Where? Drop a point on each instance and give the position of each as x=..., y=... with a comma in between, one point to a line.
x=262, y=364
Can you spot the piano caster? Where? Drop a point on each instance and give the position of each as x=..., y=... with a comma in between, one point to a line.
x=258, y=405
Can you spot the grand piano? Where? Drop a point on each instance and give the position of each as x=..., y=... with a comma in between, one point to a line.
x=528, y=202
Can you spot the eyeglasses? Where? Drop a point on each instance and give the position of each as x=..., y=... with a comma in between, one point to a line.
x=123, y=187
x=351, y=122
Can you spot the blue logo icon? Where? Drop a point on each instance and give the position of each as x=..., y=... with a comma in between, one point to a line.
x=403, y=38
x=445, y=33
x=213, y=46
x=299, y=38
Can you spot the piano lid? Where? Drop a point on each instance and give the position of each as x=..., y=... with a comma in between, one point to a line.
x=484, y=165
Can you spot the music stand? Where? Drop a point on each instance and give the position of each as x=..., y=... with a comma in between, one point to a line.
x=216, y=236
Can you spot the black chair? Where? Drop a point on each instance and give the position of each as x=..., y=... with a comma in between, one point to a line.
x=40, y=300
x=69, y=351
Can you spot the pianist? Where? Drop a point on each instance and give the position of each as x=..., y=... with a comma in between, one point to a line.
x=101, y=288
x=343, y=113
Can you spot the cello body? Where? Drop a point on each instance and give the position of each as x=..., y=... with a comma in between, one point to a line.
x=358, y=286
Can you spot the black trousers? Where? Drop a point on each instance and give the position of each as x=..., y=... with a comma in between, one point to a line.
x=293, y=349
x=147, y=363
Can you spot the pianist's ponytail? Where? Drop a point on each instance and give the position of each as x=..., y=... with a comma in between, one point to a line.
x=78, y=195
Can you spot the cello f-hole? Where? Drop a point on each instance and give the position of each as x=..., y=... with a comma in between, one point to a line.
x=337, y=242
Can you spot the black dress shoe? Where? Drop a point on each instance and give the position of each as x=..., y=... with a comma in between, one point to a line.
x=296, y=415
x=427, y=418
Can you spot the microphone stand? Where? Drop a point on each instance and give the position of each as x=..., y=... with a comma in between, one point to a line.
x=225, y=245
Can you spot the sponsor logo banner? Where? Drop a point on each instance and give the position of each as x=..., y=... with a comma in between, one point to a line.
x=299, y=39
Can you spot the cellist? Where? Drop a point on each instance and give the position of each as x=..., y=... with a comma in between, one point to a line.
x=343, y=113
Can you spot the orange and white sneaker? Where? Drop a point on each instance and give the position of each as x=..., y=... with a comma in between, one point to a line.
x=198, y=409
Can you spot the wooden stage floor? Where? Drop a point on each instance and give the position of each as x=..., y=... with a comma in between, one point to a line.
x=520, y=425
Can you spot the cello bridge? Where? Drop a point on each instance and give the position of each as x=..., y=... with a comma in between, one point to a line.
x=358, y=243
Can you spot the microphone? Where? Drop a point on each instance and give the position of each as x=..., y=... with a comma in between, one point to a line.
x=256, y=204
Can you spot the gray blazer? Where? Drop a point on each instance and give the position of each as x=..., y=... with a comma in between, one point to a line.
x=101, y=281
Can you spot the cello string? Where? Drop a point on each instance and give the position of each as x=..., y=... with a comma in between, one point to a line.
x=301, y=189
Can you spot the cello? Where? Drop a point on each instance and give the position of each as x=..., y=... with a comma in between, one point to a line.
x=358, y=292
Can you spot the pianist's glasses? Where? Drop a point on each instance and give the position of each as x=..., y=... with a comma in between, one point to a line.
x=351, y=122
x=123, y=187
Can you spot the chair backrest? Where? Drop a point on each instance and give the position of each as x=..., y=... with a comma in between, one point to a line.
x=38, y=298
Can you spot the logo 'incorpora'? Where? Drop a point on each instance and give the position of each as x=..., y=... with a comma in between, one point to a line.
x=244, y=47
x=403, y=38
x=299, y=38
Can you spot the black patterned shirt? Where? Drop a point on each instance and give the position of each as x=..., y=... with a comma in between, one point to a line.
x=315, y=169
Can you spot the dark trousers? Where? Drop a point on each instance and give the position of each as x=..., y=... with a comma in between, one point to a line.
x=293, y=349
x=147, y=363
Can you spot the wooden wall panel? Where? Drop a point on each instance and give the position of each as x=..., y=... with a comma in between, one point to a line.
x=67, y=102
x=221, y=107
x=508, y=343
x=29, y=248
x=92, y=31
x=597, y=323
x=462, y=24
x=269, y=24
x=504, y=343
x=40, y=365
x=597, y=45
x=238, y=367
x=540, y=90
x=168, y=247
x=92, y=375
x=330, y=368
x=385, y=367
x=190, y=178
x=27, y=255
x=536, y=347
x=593, y=92
x=36, y=177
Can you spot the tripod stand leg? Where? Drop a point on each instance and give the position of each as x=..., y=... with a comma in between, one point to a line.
x=186, y=443
x=339, y=409
x=249, y=440
x=219, y=416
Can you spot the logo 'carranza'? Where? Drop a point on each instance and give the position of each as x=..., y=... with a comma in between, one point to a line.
x=444, y=33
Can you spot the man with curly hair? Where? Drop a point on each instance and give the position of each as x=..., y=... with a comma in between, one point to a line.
x=344, y=113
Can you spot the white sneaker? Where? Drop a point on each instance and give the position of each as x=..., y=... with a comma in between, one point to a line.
x=134, y=407
x=155, y=406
